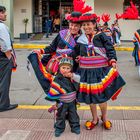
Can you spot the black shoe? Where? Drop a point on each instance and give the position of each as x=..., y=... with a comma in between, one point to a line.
x=10, y=107
x=57, y=134
x=76, y=131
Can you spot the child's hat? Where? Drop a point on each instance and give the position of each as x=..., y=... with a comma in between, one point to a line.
x=66, y=60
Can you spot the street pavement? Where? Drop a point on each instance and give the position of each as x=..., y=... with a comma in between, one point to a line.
x=32, y=121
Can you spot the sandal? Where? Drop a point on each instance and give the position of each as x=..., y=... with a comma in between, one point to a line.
x=107, y=124
x=90, y=124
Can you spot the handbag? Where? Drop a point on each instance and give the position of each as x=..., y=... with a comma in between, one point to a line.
x=53, y=64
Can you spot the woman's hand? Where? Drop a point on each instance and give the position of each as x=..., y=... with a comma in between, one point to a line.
x=39, y=51
x=114, y=65
x=77, y=59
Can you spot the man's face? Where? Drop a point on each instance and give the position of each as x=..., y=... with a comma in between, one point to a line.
x=3, y=16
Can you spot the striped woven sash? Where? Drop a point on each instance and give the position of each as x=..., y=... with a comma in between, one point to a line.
x=63, y=51
x=67, y=98
x=93, y=62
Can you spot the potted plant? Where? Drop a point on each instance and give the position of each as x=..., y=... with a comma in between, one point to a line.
x=25, y=34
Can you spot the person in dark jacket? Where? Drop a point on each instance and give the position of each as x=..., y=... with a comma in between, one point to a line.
x=64, y=91
x=48, y=23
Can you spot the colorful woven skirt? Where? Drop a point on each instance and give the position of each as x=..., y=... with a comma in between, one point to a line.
x=43, y=76
x=99, y=82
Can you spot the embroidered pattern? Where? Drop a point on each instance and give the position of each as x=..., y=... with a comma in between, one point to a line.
x=97, y=88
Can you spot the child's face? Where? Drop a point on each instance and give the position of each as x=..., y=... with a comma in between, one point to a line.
x=64, y=69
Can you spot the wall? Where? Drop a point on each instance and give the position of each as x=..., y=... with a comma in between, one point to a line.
x=128, y=27
x=91, y=3
x=19, y=7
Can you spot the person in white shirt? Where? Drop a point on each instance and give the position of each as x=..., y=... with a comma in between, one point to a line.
x=7, y=63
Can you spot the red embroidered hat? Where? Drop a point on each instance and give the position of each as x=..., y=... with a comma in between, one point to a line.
x=73, y=17
x=89, y=17
x=79, y=9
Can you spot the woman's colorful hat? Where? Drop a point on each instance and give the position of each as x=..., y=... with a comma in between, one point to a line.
x=89, y=17
x=79, y=9
x=105, y=18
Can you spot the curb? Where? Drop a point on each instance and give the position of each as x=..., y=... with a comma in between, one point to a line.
x=41, y=46
x=29, y=46
x=124, y=48
x=80, y=108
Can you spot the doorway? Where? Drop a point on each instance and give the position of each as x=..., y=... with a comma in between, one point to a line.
x=46, y=8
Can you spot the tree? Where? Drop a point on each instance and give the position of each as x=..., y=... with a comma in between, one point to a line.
x=25, y=21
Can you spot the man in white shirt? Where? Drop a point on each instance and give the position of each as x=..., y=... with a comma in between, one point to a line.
x=7, y=62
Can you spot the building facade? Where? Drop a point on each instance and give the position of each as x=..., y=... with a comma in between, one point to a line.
x=37, y=11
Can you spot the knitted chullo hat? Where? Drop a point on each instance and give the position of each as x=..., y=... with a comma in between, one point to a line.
x=66, y=60
x=79, y=8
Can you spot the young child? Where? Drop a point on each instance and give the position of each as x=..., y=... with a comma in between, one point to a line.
x=64, y=91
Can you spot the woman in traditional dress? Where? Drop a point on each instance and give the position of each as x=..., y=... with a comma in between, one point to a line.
x=100, y=80
x=45, y=61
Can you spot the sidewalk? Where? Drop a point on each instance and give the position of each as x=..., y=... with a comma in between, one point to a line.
x=38, y=44
x=28, y=124
x=35, y=123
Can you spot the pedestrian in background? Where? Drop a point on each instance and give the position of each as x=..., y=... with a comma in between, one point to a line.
x=48, y=26
x=56, y=23
x=117, y=33
x=7, y=62
x=136, y=51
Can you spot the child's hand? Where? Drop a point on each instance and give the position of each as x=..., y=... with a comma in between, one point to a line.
x=69, y=75
x=53, y=108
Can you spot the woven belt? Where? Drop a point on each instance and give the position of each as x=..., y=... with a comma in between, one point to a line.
x=67, y=98
x=93, y=62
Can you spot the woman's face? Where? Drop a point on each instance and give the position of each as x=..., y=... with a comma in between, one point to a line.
x=88, y=27
x=74, y=28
